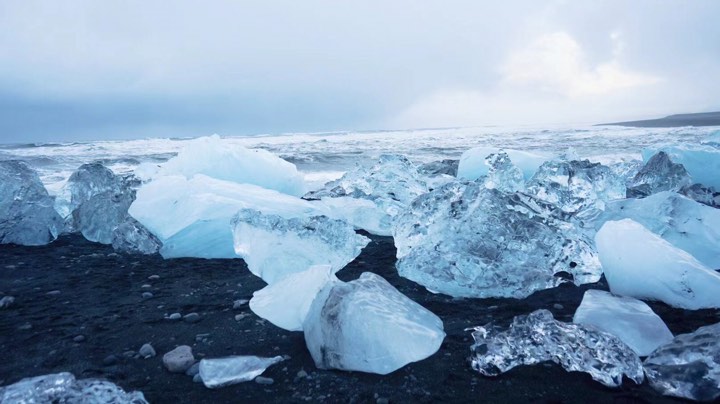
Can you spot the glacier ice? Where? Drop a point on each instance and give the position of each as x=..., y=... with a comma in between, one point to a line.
x=658, y=174
x=274, y=247
x=64, y=388
x=27, y=213
x=706, y=196
x=98, y=217
x=503, y=174
x=440, y=167
x=688, y=366
x=472, y=162
x=701, y=161
x=538, y=337
x=640, y=264
x=361, y=213
x=367, y=325
x=132, y=237
x=286, y=302
x=629, y=319
x=213, y=157
x=684, y=223
x=466, y=240
x=222, y=372
x=89, y=180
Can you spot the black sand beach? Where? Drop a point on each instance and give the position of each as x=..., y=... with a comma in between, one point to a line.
x=73, y=287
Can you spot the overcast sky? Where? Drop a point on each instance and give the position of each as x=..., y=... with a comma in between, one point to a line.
x=74, y=70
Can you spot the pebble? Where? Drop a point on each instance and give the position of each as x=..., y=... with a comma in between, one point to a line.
x=130, y=354
x=147, y=295
x=6, y=302
x=302, y=373
x=241, y=316
x=202, y=337
x=110, y=360
x=558, y=306
x=382, y=400
x=175, y=316
x=191, y=317
x=264, y=380
x=179, y=359
x=197, y=378
x=193, y=370
x=79, y=338
x=25, y=326
x=154, y=277
x=146, y=286
x=238, y=304
x=147, y=351
x=53, y=293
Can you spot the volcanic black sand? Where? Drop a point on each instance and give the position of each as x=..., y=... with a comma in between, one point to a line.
x=73, y=287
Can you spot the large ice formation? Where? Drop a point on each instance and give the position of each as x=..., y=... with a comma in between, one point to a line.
x=222, y=372
x=466, y=240
x=27, y=213
x=472, y=162
x=658, y=174
x=274, y=247
x=98, y=217
x=213, y=157
x=87, y=181
x=64, y=388
x=640, y=264
x=538, y=337
x=689, y=366
x=367, y=325
x=503, y=174
x=701, y=161
x=629, y=319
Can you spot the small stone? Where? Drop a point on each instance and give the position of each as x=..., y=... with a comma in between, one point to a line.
x=193, y=370
x=147, y=295
x=147, y=351
x=191, y=317
x=558, y=306
x=238, y=304
x=129, y=354
x=382, y=400
x=110, y=360
x=53, y=293
x=264, y=380
x=201, y=337
x=241, y=316
x=302, y=374
x=179, y=359
x=154, y=277
x=175, y=316
x=146, y=286
x=25, y=326
x=6, y=302
x=79, y=338
x=197, y=378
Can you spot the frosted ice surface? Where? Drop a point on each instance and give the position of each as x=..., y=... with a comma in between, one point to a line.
x=286, y=303
x=684, y=223
x=27, y=213
x=658, y=174
x=701, y=161
x=472, y=162
x=132, y=237
x=216, y=158
x=627, y=318
x=64, y=388
x=367, y=325
x=688, y=366
x=503, y=174
x=640, y=264
x=538, y=337
x=466, y=240
x=274, y=247
x=222, y=372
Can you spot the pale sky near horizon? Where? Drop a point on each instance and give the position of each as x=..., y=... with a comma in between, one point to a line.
x=85, y=69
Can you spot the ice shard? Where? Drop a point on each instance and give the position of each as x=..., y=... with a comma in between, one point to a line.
x=64, y=388
x=701, y=161
x=503, y=174
x=221, y=372
x=132, y=237
x=658, y=174
x=538, y=337
x=705, y=195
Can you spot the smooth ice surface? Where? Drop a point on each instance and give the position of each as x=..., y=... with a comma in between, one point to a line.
x=98, y=217
x=132, y=237
x=222, y=372
x=684, y=223
x=216, y=158
x=472, y=162
x=629, y=319
x=640, y=264
x=701, y=161
x=367, y=325
x=658, y=174
x=503, y=174
x=87, y=181
x=361, y=213
x=538, y=337
x=27, y=213
x=64, y=388
x=286, y=303
x=466, y=240
x=274, y=247
x=689, y=366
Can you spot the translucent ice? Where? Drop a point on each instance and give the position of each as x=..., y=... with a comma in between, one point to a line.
x=503, y=174
x=27, y=213
x=98, y=217
x=538, y=337
x=274, y=247
x=361, y=213
x=629, y=319
x=466, y=240
x=706, y=196
x=658, y=174
x=442, y=167
x=218, y=159
x=286, y=303
x=701, y=161
x=132, y=237
x=639, y=263
x=64, y=388
x=222, y=372
x=90, y=180
x=472, y=162
x=367, y=325
x=689, y=366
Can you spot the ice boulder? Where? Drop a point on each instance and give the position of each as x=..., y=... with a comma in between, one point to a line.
x=538, y=337
x=274, y=247
x=684, y=223
x=640, y=264
x=503, y=174
x=701, y=161
x=27, y=213
x=466, y=240
x=472, y=162
x=367, y=325
x=87, y=181
x=98, y=217
x=219, y=159
x=658, y=174
x=689, y=366
x=629, y=319
x=222, y=372
x=132, y=237
x=64, y=388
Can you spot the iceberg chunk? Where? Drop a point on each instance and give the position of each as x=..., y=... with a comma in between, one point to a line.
x=90, y=180
x=689, y=366
x=503, y=174
x=64, y=388
x=442, y=167
x=274, y=247
x=216, y=158
x=538, y=337
x=98, y=217
x=658, y=174
x=472, y=162
x=629, y=319
x=367, y=325
x=702, y=162
x=132, y=237
x=222, y=372
x=27, y=213
x=466, y=240
x=640, y=264
x=706, y=196
x=361, y=213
